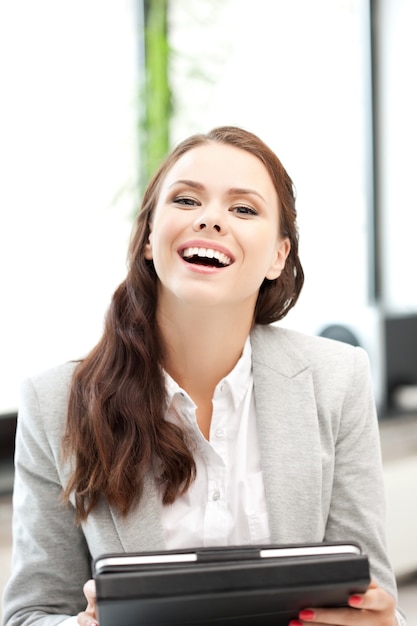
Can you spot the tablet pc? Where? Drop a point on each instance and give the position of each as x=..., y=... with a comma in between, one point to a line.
x=228, y=586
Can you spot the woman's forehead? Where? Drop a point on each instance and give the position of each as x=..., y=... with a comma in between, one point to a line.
x=218, y=164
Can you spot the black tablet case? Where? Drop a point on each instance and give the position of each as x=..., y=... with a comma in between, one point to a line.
x=226, y=587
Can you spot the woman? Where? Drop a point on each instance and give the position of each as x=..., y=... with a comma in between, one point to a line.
x=194, y=421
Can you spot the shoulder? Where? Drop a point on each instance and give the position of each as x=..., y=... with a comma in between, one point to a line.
x=44, y=398
x=291, y=351
x=52, y=384
x=333, y=376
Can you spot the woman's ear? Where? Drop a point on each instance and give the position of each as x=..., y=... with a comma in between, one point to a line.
x=278, y=263
x=148, y=248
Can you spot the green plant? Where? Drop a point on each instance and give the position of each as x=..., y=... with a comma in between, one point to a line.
x=154, y=126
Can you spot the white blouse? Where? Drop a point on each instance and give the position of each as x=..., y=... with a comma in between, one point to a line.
x=226, y=503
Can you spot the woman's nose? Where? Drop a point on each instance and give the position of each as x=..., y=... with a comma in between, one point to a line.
x=210, y=220
x=201, y=225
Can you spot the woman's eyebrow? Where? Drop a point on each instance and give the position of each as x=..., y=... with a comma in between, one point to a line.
x=237, y=191
x=190, y=183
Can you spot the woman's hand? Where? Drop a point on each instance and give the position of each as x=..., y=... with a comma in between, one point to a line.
x=373, y=608
x=89, y=616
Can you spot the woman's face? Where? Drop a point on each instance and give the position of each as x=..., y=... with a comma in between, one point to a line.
x=215, y=229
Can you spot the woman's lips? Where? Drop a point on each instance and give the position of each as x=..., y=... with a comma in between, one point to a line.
x=206, y=254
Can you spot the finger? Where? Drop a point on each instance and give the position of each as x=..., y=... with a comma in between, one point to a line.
x=89, y=590
x=329, y=617
x=85, y=619
x=357, y=600
x=298, y=622
x=374, y=599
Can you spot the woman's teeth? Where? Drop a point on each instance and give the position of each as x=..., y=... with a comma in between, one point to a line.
x=207, y=253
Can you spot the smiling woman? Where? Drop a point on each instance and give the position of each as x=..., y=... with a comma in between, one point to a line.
x=219, y=197
x=195, y=421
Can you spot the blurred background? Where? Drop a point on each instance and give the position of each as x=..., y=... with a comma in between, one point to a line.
x=95, y=92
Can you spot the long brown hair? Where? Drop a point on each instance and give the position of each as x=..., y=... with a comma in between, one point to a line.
x=116, y=429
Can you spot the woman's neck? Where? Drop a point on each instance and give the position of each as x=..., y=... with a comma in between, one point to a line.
x=203, y=346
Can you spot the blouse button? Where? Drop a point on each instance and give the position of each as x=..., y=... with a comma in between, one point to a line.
x=216, y=494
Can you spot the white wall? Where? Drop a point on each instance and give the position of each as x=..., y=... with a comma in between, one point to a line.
x=397, y=101
x=67, y=149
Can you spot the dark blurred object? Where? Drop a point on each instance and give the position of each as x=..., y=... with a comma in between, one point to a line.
x=401, y=362
x=391, y=343
x=7, y=436
x=340, y=333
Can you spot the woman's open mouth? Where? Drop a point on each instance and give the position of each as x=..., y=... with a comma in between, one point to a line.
x=206, y=256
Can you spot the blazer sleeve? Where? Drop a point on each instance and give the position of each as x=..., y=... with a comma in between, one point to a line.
x=50, y=559
x=357, y=508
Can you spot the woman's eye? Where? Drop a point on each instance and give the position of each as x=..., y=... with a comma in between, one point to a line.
x=245, y=210
x=186, y=201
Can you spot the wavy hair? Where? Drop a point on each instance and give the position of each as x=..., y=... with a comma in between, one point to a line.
x=116, y=430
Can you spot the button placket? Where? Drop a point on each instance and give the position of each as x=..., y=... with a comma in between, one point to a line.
x=219, y=432
x=216, y=495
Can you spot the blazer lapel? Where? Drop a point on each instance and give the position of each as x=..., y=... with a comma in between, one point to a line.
x=289, y=437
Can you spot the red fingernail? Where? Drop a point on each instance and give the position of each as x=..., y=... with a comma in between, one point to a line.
x=306, y=614
x=295, y=622
x=355, y=600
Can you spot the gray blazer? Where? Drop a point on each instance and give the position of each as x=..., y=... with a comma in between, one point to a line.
x=322, y=469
